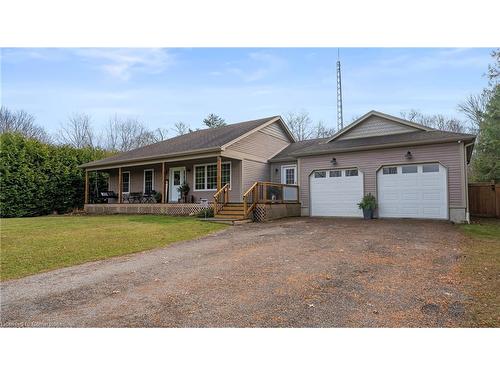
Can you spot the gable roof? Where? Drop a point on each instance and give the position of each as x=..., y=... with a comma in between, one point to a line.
x=383, y=141
x=287, y=153
x=403, y=122
x=205, y=140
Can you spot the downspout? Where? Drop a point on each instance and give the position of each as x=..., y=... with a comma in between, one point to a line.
x=467, y=214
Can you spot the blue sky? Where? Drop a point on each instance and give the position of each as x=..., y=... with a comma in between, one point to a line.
x=162, y=86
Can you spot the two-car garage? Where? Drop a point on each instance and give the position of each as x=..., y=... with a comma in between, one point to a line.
x=403, y=191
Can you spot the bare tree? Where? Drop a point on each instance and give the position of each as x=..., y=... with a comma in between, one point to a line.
x=322, y=131
x=300, y=125
x=124, y=134
x=21, y=122
x=494, y=69
x=440, y=122
x=474, y=107
x=77, y=131
x=181, y=128
x=160, y=134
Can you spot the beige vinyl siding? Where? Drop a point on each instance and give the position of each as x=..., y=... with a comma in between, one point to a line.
x=448, y=154
x=276, y=174
x=264, y=143
x=254, y=171
x=375, y=126
x=276, y=131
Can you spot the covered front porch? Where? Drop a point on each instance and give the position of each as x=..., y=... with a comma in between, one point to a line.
x=191, y=181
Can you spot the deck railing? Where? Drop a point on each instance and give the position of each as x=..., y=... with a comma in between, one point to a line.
x=221, y=197
x=269, y=192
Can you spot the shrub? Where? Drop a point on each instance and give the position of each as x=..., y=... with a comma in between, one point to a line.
x=368, y=202
x=38, y=178
x=206, y=212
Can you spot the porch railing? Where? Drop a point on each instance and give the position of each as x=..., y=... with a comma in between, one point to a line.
x=221, y=197
x=269, y=192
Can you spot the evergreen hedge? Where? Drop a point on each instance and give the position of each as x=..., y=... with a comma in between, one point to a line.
x=38, y=178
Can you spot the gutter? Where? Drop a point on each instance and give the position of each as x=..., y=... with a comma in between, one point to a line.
x=374, y=147
x=467, y=212
x=147, y=158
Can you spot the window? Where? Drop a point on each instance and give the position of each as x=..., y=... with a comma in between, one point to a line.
x=289, y=174
x=126, y=182
x=148, y=181
x=409, y=169
x=211, y=171
x=335, y=173
x=205, y=176
x=320, y=174
x=351, y=172
x=426, y=168
x=390, y=170
x=199, y=177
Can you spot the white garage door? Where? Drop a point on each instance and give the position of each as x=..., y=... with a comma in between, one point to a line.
x=336, y=192
x=413, y=191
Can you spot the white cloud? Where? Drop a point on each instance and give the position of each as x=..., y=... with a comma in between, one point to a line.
x=122, y=63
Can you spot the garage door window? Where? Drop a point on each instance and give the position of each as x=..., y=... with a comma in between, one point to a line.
x=335, y=173
x=351, y=172
x=426, y=168
x=409, y=169
x=320, y=174
x=390, y=170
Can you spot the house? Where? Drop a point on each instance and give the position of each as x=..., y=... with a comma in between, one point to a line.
x=258, y=168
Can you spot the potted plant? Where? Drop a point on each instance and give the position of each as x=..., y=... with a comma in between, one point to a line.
x=157, y=196
x=368, y=204
x=184, y=191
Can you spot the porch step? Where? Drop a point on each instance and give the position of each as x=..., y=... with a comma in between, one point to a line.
x=227, y=221
x=230, y=216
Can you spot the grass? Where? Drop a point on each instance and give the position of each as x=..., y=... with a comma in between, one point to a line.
x=481, y=270
x=32, y=245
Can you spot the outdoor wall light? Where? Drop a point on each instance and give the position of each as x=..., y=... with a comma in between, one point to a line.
x=276, y=170
x=334, y=161
x=408, y=155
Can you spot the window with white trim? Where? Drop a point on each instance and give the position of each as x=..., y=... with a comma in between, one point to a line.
x=426, y=168
x=351, y=172
x=390, y=170
x=148, y=181
x=126, y=182
x=289, y=174
x=320, y=174
x=409, y=169
x=336, y=173
x=205, y=176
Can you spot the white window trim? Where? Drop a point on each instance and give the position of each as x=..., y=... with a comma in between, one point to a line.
x=144, y=180
x=129, y=182
x=283, y=173
x=205, y=183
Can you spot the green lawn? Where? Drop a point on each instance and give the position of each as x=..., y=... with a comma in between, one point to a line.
x=481, y=270
x=31, y=245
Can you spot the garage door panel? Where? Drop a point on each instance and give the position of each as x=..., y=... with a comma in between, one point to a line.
x=413, y=195
x=336, y=196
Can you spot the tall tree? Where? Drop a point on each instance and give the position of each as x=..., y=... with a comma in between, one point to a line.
x=214, y=121
x=300, y=125
x=77, y=131
x=486, y=162
x=21, y=122
x=181, y=128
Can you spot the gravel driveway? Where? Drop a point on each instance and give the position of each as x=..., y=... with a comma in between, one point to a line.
x=300, y=272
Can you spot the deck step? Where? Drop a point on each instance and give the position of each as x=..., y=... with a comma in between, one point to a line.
x=224, y=212
x=236, y=217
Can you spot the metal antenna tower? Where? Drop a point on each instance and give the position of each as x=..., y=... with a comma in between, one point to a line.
x=340, y=119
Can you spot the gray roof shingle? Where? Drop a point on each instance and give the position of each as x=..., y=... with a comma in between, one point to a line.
x=318, y=146
x=198, y=140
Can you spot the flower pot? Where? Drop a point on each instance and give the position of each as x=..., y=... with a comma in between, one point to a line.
x=367, y=213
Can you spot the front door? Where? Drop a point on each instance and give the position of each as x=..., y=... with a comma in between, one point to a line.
x=177, y=178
